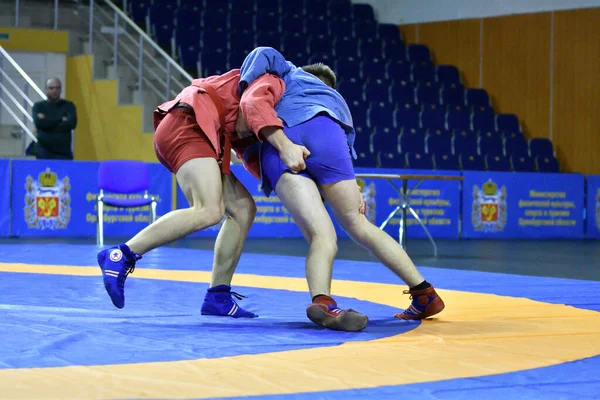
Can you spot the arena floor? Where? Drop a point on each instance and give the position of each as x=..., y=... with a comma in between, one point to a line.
x=522, y=321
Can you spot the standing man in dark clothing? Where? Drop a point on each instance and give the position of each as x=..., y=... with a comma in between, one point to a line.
x=54, y=120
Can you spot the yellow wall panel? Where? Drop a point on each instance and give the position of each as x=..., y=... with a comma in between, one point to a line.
x=576, y=89
x=455, y=43
x=409, y=33
x=516, y=68
x=42, y=40
x=105, y=129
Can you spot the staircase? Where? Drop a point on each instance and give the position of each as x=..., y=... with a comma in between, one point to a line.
x=144, y=74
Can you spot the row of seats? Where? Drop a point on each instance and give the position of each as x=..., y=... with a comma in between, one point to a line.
x=384, y=115
x=401, y=102
x=465, y=162
x=459, y=142
x=400, y=91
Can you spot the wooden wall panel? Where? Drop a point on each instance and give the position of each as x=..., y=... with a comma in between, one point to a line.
x=409, y=33
x=455, y=43
x=516, y=68
x=576, y=89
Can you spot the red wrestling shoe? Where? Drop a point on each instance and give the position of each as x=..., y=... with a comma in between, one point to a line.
x=325, y=312
x=425, y=303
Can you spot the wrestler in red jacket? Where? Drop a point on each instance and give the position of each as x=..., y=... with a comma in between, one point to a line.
x=195, y=133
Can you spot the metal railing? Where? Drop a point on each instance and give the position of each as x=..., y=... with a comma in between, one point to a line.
x=19, y=103
x=135, y=50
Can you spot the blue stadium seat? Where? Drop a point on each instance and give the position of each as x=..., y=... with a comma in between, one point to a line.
x=362, y=141
x=265, y=21
x=388, y=159
x=453, y=95
x=407, y=118
x=464, y=142
x=339, y=8
x=373, y=68
x=428, y=92
x=242, y=6
x=350, y=89
x=381, y=114
x=384, y=139
x=294, y=43
x=539, y=147
x=222, y=7
x=214, y=62
x=377, y=90
x=445, y=161
x=359, y=109
x=341, y=27
x=431, y=106
x=365, y=29
x=507, y=123
x=471, y=162
x=363, y=12
x=348, y=68
x=483, y=121
x=363, y=130
x=497, y=163
x=438, y=143
x=370, y=47
x=244, y=22
x=235, y=59
x=433, y=119
x=418, y=52
x=476, y=98
x=423, y=72
x=547, y=164
x=241, y=41
x=189, y=5
x=394, y=51
x=138, y=11
x=162, y=13
x=268, y=38
x=291, y=22
x=522, y=163
x=345, y=46
x=458, y=120
x=490, y=143
x=516, y=145
x=188, y=58
x=416, y=160
x=365, y=159
x=214, y=20
x=325, y=58
x=316, y=8
x=399, y=70
x=447, y=74
x=402, y=93
x=321, y=44
x=411, y=141
x=163, y=35
x=390, y=33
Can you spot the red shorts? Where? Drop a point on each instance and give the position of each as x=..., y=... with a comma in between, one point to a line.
x=178, y=139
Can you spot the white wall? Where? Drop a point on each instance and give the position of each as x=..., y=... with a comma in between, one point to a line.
x=39, y=67
x=414, y=11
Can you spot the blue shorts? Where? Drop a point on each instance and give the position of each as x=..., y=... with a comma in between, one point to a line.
x=329, y=159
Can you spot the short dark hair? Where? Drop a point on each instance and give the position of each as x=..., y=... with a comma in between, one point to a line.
x=323, y=72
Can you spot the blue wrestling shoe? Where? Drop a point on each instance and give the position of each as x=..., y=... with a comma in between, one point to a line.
x=219, y=301
x=116, y=263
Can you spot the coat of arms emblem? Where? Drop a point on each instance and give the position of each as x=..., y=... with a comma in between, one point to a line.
x=47, y=201
x=489, y=207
